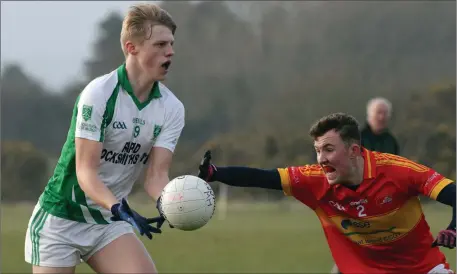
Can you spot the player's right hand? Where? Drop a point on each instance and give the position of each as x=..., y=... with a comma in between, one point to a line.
x=122, y=212
x=206, y=169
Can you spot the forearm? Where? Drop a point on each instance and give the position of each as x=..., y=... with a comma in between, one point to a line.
x=447, y=197
x=96, y=190
x=248, y=177
x=155, y=184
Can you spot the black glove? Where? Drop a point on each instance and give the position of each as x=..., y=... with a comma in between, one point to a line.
x=445, y=238
x=122, y=212
x=206, y=169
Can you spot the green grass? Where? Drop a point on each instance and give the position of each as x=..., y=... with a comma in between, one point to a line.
x=273, y=238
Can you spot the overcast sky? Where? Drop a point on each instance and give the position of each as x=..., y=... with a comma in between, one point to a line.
x=51, y=39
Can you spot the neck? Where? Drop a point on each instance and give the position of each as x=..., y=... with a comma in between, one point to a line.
x=357, y=176
x=140, y=82
x=376, y=130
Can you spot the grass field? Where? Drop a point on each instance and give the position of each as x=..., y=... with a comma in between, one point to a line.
x=268, y=238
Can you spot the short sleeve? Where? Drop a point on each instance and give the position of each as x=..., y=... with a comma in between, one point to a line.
x=427, y=181
x=89, y=119
x=306, y=183
x=173, y=126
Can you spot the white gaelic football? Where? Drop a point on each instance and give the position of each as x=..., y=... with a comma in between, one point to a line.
x=188, y=202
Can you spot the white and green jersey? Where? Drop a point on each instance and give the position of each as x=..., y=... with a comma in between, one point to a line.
x=108, y=111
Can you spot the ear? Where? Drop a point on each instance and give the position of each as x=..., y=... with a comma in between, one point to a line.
x=355, y=150
x=130, y=47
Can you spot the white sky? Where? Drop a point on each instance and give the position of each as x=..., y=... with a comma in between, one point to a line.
x=52, y=39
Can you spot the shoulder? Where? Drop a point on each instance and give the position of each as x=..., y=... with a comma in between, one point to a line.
x=314, y=170
x=393, y=139
x=310, y=178
x=169, y=99
x=100, y=88
x=365, y=129
x=172, y=105
x=302, y=174
x=397, y=164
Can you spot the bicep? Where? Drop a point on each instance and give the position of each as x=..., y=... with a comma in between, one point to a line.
x=447, y=195
x=426, y=181
x=88, y=153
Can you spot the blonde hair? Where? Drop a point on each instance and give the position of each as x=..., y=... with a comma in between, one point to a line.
x=140, y=20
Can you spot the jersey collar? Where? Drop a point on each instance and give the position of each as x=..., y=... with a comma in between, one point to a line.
x=125, y=84
x=369, y=169
x=369, y=173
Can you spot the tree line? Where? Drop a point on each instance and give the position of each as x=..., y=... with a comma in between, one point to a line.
x=254, y=76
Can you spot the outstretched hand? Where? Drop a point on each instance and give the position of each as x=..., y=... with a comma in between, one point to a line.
x=206, y=169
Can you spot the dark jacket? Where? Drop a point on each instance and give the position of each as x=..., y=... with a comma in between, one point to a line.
x=383, y=142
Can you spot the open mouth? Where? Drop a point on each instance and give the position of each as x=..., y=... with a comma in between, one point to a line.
x=166, y=65
x=328, y=169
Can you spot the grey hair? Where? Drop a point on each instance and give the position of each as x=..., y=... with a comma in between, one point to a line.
x=380, y=100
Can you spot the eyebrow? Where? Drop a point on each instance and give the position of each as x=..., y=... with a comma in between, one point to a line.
x=326, y=145
x=164, y=41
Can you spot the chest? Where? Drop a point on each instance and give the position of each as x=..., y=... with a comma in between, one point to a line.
x=380, y=198
x=131, y=128
x=381, y=213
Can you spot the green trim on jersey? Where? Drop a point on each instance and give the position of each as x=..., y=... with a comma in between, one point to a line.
x=63, y=197
x=125, y=83
x=109, y=112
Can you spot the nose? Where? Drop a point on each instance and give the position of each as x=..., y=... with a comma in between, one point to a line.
x=170, y=52
x=321, y=159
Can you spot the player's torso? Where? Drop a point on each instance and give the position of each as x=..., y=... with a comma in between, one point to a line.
x=128, y=140
x=380, y=214
x=382, y=226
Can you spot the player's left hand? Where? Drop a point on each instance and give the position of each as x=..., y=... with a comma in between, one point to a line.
x=122, y=212
x=445, y=238
x=162, y=217
x=206, y=169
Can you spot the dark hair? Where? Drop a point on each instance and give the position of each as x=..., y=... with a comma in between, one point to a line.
x=344, y=124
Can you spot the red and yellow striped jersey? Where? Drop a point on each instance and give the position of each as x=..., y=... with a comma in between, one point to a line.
x=380, y=226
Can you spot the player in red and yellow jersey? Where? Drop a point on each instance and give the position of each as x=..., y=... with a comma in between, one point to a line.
x=367, y=202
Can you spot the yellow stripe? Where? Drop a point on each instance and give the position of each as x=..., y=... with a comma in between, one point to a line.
x=438, y=187
x=311, y=171
x=369, y=164
x=285, y=181
x=314, y=173
x=415, y=167
x=396, y=158
x=380, y=230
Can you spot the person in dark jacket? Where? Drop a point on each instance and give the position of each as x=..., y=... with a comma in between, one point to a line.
x=376, y=135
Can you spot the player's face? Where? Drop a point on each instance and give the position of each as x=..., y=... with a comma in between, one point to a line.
x=335, y=157
x=378, y=117
x=154, y=54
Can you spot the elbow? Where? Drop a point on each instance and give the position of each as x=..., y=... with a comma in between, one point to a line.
x=84, y=175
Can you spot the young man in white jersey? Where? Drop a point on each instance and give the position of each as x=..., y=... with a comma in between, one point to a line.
x=123, y=122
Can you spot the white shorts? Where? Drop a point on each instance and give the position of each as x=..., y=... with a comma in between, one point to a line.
x=441, y=269
x=55, y=242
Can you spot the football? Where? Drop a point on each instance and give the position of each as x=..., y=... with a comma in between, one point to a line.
x=188, y=202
